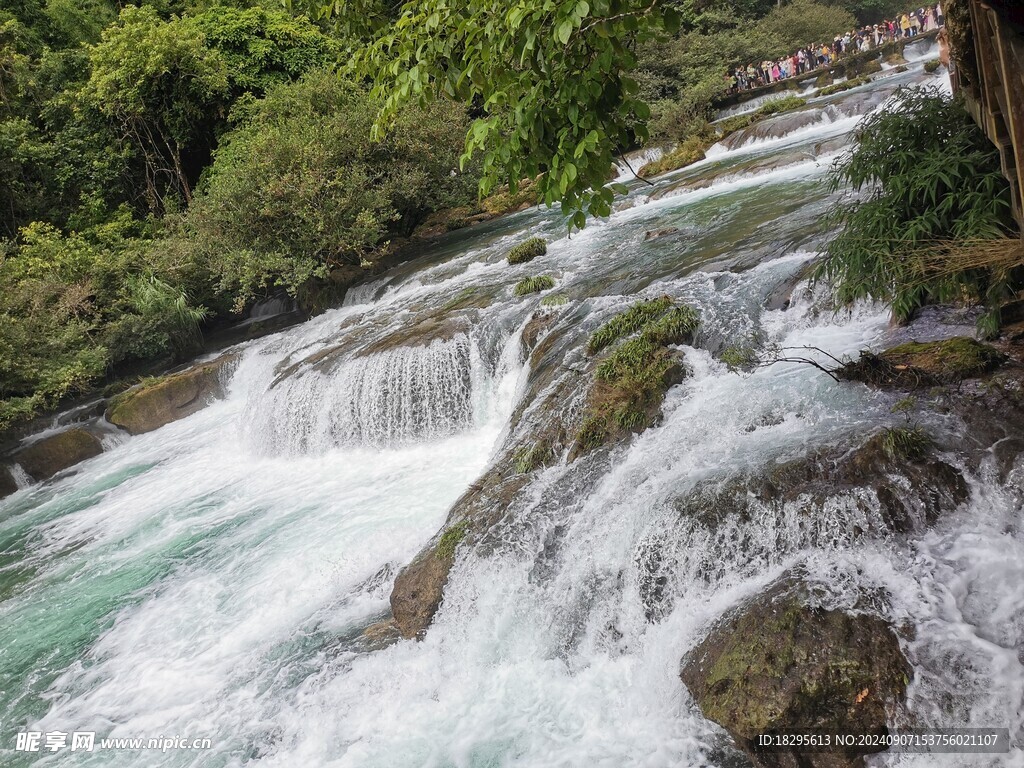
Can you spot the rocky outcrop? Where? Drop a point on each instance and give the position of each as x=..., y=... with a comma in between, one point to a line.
x=924, y=364
x=152, y=405
x=782, y=663
x=46, y=457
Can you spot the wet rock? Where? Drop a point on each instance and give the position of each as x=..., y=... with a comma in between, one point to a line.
x=380, y=635
x=418, y=591
x=916, y=364
x=419, y=587
x=654, y=234
x=152, y=405
x=421, y=334
x=7, y=484
x=781, y=295
x=912, y=492
x=782, y=663
x=48, y=456
x=537, y=326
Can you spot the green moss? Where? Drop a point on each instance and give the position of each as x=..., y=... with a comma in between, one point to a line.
x=910, y=444
x=593, y=433
x=947, y=360
x=534, y=285
x=625, y=323
x=527, y=251
x=932, y=65
x=738, y=358
x=505, y=201
x=676, y=326
x=554, y=300
x=690, y=151
x=631, y=381
x=844, y=86
x=533, y=457
x=451, y=539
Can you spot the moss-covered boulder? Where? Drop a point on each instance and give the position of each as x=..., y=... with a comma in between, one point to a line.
x=924, y=364
x=7, y=484
x=904, y=479
x=781, y=663
x=630, y=382
x=153, y=404
x=46, y=457
x=527, y=251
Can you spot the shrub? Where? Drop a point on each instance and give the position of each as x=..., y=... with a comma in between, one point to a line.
x=527, y=251
x=844, y=86
x=927, y=176
x=625, y=323
x=534, y=285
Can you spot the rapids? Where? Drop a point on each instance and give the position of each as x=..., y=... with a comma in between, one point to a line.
x=213, y=579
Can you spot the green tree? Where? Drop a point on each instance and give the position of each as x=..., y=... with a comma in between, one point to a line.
x=163, y=89
x=549, y=83
x=300, y=188
x=262, y=47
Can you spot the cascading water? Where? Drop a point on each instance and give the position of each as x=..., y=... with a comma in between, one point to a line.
x=213, y=579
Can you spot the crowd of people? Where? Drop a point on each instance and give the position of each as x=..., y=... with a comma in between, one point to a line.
x=811, y=57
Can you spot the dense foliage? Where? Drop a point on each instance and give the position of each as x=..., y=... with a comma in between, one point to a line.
x=299, y=188
x=680, y=75
x=924, y=180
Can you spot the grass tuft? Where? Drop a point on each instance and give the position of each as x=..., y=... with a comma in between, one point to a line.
x=451, y=539
x=534, y=285
x=527, y=251
x=554, y=300
x=909, y=444
x=625, y=323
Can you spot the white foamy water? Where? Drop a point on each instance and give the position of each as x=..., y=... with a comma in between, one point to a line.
x=212, y=579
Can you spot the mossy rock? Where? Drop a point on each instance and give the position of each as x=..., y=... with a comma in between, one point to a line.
x=780, y=663
x=631, y=381
x=871, y=67
x=690, y=151
x=918, y=364
x=535, y=284
x=154, y=404
x=527, y=251
x=48, y=456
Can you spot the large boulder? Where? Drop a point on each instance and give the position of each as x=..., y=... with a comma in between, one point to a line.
x=46, y=457
x=421, y=334
x=782, y=663
x=151, y=405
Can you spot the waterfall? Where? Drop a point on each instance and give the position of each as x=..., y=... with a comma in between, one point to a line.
x=389, y=398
